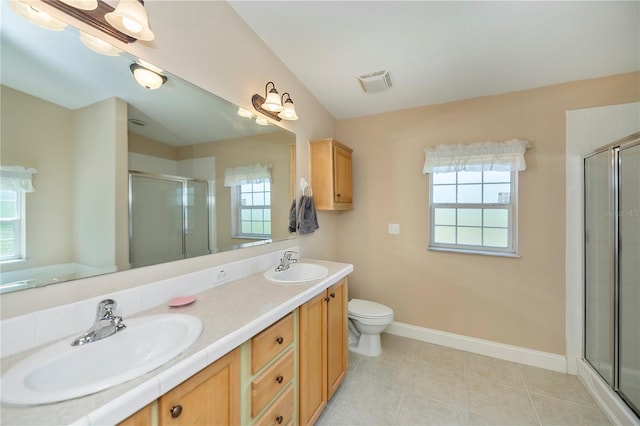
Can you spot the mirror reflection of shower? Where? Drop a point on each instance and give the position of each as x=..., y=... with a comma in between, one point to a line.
x=167, y=215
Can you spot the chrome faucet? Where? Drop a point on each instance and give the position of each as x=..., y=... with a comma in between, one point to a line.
x=105, y=324
x=286, y=261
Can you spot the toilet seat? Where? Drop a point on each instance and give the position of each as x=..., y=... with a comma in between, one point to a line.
x=365, y=309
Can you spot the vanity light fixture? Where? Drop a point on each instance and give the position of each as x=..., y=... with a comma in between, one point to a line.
x=147, y=78
x=130, y=17
x=272, y=106
x=36, y=16
x=99, y=46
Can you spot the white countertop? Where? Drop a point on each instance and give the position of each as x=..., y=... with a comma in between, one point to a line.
x=231, y=314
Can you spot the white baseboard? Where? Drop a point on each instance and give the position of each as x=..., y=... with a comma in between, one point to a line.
x=511, y=353
x=609, y=401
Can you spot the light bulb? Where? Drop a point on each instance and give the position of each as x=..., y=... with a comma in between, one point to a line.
x=131, y=25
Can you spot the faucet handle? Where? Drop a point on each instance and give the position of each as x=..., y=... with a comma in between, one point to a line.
x=288, y=254
x=106, y=308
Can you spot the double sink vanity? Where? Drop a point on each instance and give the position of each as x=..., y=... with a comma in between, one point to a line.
x=269, y=348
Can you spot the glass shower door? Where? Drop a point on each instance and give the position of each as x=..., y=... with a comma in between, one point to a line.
x=629, y=276
x=197, y=243
x=156, y=220
x=599, y=268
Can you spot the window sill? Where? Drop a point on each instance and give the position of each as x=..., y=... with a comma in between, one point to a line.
x=481, y=252
x=10, y=261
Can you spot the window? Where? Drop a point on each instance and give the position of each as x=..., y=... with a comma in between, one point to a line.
x=252, y=202
x=15, y=181
x=11, y=224
x=474, y=196
x=474, y=211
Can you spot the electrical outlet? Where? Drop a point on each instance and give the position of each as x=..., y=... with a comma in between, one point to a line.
x=394, y=228
x=221, y=276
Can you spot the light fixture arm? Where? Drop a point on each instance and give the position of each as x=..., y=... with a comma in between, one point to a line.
x=94, y=18
x=266, y=88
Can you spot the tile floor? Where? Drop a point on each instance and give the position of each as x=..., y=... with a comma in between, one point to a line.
x=417, y=383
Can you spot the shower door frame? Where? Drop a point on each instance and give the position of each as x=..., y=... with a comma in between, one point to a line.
x=184, y=181
x=614, y=150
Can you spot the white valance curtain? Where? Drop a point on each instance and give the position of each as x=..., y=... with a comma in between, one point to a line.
x=255, y=173
x=16, y=178
x=505, y=156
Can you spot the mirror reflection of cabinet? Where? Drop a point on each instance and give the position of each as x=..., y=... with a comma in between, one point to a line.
x=331, y=174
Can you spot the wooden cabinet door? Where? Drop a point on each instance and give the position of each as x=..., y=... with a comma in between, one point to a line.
x=139, y=418
x=336, y=336
x=343, y=192
x=211, y=397
x=313, y=356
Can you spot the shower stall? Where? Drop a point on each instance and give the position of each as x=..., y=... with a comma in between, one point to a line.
x=612, y=266
x=169, y=218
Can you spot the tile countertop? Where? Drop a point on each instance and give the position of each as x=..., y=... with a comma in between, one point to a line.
x=231, y=314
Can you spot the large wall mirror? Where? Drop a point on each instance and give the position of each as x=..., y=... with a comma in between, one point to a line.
x=124, y=176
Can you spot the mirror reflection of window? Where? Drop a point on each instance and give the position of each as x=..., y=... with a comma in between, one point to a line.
x=11, y=220
x=253, y=207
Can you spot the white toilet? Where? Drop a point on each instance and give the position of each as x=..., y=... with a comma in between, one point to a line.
x=366, y=321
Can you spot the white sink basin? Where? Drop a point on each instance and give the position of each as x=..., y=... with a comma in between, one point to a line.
x=61, y=371
x=297, y=273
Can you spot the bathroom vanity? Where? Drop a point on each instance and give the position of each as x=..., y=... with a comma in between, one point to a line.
x=255, y=362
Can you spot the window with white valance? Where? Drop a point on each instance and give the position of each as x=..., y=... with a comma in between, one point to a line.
x=473, y=196
x=505, y=156
x=16, y=178
x=15, y=182
x=254, y=173
x=250, y=200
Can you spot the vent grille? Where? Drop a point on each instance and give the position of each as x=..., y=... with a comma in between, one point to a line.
x=375, y=81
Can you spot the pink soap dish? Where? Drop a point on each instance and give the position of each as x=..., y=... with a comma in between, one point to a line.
x=182, y=301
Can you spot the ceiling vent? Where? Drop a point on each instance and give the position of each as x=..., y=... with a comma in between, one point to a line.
x=375, y=81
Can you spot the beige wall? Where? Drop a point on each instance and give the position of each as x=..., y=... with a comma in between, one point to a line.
x=514, y=301
x=38, y=134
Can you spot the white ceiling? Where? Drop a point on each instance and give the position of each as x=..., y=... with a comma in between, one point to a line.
x=443, y=51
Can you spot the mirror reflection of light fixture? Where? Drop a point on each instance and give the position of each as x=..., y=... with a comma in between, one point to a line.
x=36, y=16
x=130, y=17
x=99, y=46
x=273, y=106
x=82, y=4
x=288, y=109
x=261, y=121
x=244, y=113
x=147, y=78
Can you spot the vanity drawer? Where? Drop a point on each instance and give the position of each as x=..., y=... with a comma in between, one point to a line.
x=273, y=380
x=280, y=412
x=266, y=345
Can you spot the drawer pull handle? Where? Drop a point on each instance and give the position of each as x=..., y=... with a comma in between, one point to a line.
x=279, y=420
x=326, y=299
x=333, y=295
x=176, y=410
x=279, y=379
x=280, y=340
x=338, y=194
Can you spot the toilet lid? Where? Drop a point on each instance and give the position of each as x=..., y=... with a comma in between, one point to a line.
x=368, y=309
